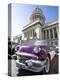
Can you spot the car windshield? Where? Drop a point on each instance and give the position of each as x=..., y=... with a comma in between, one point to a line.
x=41, y=42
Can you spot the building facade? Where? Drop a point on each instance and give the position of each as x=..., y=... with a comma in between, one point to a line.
x=37, y=29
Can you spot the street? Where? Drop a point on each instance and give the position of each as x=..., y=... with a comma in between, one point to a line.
x=53, y=69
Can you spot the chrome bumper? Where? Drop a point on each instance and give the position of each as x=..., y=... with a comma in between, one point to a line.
x=37, y=65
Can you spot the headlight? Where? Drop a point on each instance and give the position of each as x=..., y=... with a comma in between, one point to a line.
x=37, y=49
x=17, y=48
x=42, y=55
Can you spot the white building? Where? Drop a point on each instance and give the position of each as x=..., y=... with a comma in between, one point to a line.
x=38, y=29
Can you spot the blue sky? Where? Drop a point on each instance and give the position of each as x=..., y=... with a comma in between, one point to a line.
x=22, y=12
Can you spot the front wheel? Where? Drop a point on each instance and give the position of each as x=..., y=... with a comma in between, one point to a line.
x=47, y=68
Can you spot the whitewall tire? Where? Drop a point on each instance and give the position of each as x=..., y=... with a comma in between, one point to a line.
x=47, y=68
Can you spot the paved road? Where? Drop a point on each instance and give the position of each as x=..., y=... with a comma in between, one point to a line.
x=53, y=69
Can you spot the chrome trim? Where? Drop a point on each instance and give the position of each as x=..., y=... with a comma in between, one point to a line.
x=26, y=54
x=33, y=68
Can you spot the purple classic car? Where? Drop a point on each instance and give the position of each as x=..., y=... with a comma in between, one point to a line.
x=34, y=57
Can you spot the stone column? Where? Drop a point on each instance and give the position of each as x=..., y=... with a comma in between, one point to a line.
x=49, y=38
x=57, y=30
x=37, y=31
x=32, y=34
x=49, y=35
x=53, y=33
x=46, y=34
x=42, y=34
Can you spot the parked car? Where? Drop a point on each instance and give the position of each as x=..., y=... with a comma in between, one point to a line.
x=34, y=57
x=52, y=52
x=57, y=50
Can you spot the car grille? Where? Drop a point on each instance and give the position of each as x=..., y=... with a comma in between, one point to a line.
x=23, y=59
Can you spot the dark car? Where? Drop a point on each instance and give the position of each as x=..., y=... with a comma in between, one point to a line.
x=33, y=57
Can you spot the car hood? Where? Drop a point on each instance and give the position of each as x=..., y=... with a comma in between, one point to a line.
x=27, y=48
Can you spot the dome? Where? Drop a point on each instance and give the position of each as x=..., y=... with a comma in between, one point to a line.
x=37, y=10
x=37, y=14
